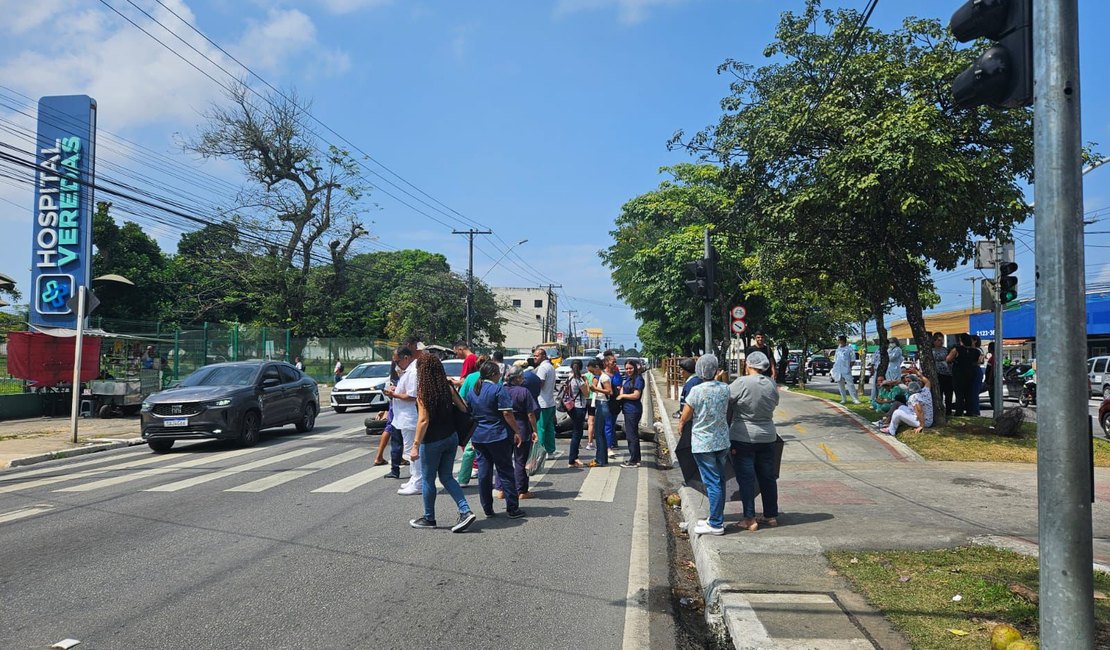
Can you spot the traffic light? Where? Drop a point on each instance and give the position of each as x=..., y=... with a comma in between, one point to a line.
x=699, y=285
x=1007, y=283
x=1002, y=76
x=711, y=274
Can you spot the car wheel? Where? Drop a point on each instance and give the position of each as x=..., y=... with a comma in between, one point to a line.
x=160, y=446
x=339, y=409
x=1106, y=424
x=105, y=412
x=251, y=432
x=1023, y=400
x=1105, y=392
x=308, y=418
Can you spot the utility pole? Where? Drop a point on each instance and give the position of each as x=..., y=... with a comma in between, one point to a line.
x=707, y=304
x=974, y=280
x=570, y=329
x=996, y=379
x=470, y=279
x=1063, y=442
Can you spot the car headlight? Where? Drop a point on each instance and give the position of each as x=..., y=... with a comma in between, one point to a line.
x=221, y=402
x=146, y=407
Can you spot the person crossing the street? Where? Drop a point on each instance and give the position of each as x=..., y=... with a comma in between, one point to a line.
x=405, y=414
x=495, y=435
x=525, y=409
x=545, y=372
x=436, y=442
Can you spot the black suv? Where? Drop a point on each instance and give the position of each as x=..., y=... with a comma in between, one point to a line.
x=231, y=401
x=819, y=364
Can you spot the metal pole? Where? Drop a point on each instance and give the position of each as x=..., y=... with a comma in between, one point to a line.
x=996, y=379
x=176, y=350
x=707, y=305
x=1063, y=441
x=78, y=342
x=470, y=279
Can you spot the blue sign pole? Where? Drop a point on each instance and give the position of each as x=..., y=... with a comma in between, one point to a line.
x=61, y=245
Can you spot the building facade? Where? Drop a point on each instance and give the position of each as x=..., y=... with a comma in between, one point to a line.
x=531, y=316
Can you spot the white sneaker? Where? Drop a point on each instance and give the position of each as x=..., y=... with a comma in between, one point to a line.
x=703, y=528
x=612, y=454
x=409, y=490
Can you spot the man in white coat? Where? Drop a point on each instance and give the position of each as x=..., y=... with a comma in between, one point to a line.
x=842, y=369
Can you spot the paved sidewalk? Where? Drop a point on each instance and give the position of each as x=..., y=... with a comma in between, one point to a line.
x=845, y=486
x=33, y=440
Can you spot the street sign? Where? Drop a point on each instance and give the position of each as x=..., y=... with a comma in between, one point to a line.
x=738, y=312
x=91, y=302
x=739, y=326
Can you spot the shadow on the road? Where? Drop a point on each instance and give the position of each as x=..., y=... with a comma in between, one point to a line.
x=785, y=519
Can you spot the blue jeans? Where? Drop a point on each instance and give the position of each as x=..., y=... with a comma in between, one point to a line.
x=577, y=420
x=754, y=462
x=437, y=459
x=711, y=465
x=396, y=449
x=611, y=412
x=601, y=420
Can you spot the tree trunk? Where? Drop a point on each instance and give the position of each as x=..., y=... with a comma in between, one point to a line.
x=880, y=329
x=915, y=318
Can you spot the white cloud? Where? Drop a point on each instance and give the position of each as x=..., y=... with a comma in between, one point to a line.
x=629, y=11
x=135, y=80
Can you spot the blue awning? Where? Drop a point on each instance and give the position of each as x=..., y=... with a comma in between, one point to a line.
x=1020, y=322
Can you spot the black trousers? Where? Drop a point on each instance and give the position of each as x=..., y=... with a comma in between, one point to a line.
x=496, y=456
x=396, y=450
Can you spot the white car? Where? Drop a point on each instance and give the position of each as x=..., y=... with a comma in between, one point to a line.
x=562, y=373
x=857, y=368
x=453, y=369
x=362, y=387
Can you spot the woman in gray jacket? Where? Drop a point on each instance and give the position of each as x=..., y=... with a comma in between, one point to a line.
x=752, y=401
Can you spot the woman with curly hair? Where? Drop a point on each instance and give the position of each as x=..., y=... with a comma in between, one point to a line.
x=436, y=441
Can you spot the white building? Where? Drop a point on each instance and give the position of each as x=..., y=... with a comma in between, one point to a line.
x=531, y=316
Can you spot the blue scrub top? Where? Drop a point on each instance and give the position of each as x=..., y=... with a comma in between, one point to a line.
x=487, y=408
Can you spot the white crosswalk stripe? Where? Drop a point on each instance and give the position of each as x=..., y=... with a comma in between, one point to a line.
x=206, y=459
x=354, y=481
x=600, y=484
x=223, y=473
x=99, y=460
x=286, y=475
x=50, y=480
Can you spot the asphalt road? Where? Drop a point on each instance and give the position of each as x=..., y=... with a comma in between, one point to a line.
x=212, y=546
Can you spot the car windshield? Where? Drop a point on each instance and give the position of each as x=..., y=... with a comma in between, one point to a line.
x=222, y=376
x=453, y=367
x=369, y=371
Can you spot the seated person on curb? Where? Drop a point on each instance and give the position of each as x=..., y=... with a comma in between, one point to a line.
x=918, y=411
x=884, y=399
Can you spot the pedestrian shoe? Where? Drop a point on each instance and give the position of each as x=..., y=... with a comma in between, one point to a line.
x=498, y=494
x=886, y=431
x=409, y=490
x=489, y=513
x=380, y=462
x=704, y=528
x=392, y=475
x=516, y=514
x=630, y=465
x=590, y=446
x=423, y=522
x=404, y=462
x=612, y=454
x=526, y=495
x=594, y=463
x=856, y=401
x=465, y=519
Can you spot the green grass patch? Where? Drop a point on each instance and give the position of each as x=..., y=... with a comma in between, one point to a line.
x=914, y=589
x=967, y=438
x=11, y=386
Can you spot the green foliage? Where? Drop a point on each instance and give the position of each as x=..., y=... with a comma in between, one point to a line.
x=127, y=251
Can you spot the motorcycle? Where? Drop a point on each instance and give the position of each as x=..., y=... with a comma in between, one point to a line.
x=1028, y=393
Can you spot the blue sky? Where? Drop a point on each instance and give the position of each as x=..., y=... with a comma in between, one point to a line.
x=537, y=118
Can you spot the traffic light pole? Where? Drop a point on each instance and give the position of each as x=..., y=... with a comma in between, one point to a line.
x=996, y=378
x=707, y=304
x=1063, y=444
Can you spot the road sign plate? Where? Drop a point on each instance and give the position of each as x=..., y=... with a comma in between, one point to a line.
x=739, y=326
x=738, y=312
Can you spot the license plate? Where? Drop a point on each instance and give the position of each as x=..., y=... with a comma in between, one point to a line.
x=352, y=398
x=176, y=422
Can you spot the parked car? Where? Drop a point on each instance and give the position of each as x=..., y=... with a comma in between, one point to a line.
x=230, y=401
x=453, y=368
x=362, y=387
x=1104, y=416
x=1098, y=376
x=819, y=364
x=562, y=373
x=858, y=367
x=792, y=370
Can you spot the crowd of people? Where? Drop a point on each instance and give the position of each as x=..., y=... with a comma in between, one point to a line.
x=503, y=417
x=732, y=422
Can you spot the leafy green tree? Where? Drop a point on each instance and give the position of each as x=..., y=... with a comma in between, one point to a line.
x=211, y=279
x=853, y=155
x=127, y=251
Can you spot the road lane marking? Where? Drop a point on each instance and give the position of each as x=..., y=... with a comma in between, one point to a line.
x=355, y=480
x=600, y=484
x=22, y=513
x=223, y=473
x=637, y=624
x=332, y=434
x=800, y=428
x=50, y=480
x=155, y=471
x=286, y=475
x=107, y=458
x=829, y=453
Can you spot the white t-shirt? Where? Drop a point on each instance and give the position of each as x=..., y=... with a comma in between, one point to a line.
x=602, y=380
x=404, y=411
x=546, y=373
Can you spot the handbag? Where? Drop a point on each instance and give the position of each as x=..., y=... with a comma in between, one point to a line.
x=566, y=400
x=464, y=424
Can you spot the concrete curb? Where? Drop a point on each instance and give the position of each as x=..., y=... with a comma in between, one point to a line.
x=105, y=445
x=899, y=449
x=1022, y=546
